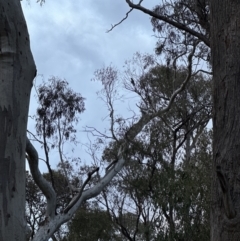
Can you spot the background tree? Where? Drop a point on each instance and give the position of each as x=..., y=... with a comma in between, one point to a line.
x=151, y=203
x=56, y=119
x=55, y=125
x=91, y=223
x=195, y=21
x=178, y=24
x=164, y=193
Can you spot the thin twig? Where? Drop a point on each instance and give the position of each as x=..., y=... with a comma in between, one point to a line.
x=113, y=26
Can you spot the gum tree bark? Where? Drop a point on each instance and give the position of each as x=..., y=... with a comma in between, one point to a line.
x=17, y=71
x=225, y=46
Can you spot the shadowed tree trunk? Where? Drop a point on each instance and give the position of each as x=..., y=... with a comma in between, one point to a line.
x=225, y=45
x=17, y=71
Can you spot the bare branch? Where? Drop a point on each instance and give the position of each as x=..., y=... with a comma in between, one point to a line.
x=112, y=119
x=35, y=138
x=41, y=182
x=203, y=71
x=113, y=26
x=46, y=150
x=93, y=130
x=181, y=88
x=60, y=151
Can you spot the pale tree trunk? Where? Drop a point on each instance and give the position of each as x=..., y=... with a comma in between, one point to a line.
x=17, y=70
x=225, y=45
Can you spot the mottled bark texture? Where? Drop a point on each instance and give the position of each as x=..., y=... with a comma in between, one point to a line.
x=17, y=71
x=225, y=45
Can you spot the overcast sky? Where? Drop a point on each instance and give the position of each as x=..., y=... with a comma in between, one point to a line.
x=69, y=40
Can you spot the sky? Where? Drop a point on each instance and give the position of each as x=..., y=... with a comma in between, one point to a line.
x=69, y=40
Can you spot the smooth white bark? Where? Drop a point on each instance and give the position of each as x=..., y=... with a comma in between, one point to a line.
x=17, y=71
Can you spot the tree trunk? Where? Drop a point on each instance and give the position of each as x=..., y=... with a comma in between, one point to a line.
x=225, y=45
x=17, y=70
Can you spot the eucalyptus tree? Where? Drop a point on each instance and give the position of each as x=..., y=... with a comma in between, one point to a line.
x=91, y=223
x=150, y=201
x=215, y=25
x=18, y=70
x=163, y=192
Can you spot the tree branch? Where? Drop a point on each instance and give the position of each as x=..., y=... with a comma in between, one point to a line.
x=49, y=228
x=167, y=20
x=113, y=26
x=76, y=198
x=41, y=182
x=46, y=150
x=146, y=117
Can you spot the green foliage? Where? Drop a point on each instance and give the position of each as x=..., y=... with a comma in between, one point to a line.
x=56, y=119
x=58, y=109
x=165, y=184
x=91, y=224
x=35, y=205
x=172, y=41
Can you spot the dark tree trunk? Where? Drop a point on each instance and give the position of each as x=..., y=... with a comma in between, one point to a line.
x=17, y=70
x=225, y=46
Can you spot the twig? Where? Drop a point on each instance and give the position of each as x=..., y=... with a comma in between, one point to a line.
x=36, y=139
x=90, y=129
x=113, y=26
